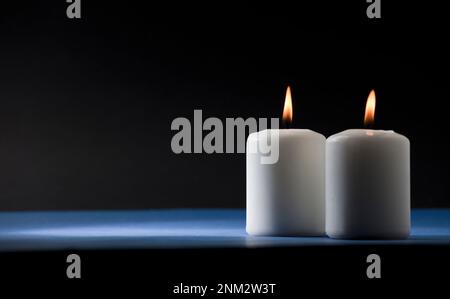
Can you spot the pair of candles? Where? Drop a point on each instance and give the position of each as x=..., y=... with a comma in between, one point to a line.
x=353, y=185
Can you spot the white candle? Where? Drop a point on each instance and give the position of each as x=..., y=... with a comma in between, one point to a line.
x=368, y=183
x=287, y=198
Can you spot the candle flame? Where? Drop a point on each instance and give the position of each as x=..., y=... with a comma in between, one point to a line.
x=287, y=110
x=369, y=117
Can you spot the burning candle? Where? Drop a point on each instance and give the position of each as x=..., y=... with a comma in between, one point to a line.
x=286, y=198
x=367, y=183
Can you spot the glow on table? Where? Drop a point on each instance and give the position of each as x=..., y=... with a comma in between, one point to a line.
x=63, y=230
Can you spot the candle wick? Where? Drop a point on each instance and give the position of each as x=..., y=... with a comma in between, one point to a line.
x=370, y=126
x=287, y=124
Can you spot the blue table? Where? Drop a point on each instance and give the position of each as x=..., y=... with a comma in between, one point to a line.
x=64, y=230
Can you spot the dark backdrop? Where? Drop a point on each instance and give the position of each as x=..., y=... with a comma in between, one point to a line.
x=86, y=105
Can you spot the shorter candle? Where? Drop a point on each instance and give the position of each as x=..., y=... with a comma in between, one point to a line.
x=368, y=183
x=287, y=198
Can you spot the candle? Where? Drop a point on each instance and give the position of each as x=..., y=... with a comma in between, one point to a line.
x=367, y=183
x=287, y=198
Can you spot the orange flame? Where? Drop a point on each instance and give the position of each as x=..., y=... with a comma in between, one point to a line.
x=369, y=117
x=287, y=110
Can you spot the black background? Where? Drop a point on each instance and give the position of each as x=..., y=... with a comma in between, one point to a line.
x=297, y=271
x=86, y=105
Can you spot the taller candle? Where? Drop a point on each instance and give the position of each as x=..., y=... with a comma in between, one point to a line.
x=368, y=183
x=287, y=198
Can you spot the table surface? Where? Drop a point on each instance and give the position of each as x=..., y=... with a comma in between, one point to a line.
x=65, y=230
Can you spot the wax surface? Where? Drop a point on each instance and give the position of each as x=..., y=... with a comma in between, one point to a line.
x=368, y=185
x=177, y=229
x=287, y=198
